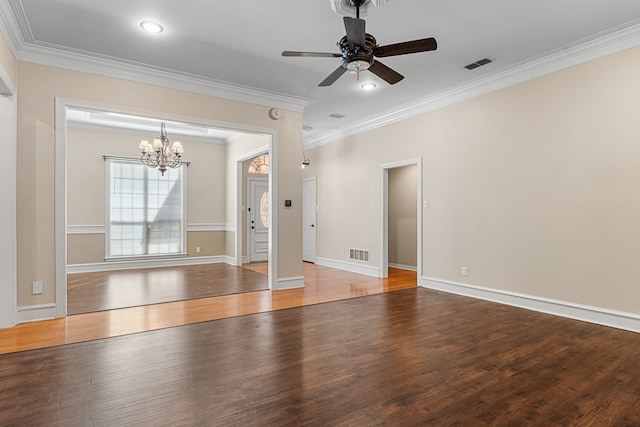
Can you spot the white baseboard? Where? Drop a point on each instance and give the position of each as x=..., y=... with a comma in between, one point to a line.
x=348, y=266
x=33, y=313
x=403, y=267
x=129, y=265
x=597, y=315
x=289, y=283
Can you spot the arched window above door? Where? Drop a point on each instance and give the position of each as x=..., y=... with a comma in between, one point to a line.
x=260, y=165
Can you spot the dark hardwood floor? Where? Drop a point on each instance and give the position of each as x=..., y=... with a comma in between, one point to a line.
x=408, y=358
x=109, y=290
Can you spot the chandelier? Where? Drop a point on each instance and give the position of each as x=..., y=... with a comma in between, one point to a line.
x=159, y=155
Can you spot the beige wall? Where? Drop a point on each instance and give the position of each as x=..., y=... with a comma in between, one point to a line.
x=403, y=218
x=534, y=187
x=40, y=85
x=206, y=175
x=85, y=248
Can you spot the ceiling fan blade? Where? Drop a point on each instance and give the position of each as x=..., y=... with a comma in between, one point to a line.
x=355, y=28
x=385, y=73
x=333, y=77
x=415, y=46
x=312, y=54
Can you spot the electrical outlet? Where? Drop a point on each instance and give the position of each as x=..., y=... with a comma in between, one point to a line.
x=426, y=204
x=197, y=249
x=464, y=271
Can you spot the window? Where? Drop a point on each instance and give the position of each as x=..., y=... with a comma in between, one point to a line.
x=264, y=209
x=145, y=210
x=260, y=165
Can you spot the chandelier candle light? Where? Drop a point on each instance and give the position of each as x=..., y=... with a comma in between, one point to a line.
x=159, y=155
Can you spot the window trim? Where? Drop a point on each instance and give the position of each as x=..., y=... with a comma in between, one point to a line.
x=107, y=215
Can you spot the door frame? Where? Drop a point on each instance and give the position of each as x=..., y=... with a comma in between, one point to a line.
x=9, y=262
x=384, y=212
x=59, y=309
x=315, y=204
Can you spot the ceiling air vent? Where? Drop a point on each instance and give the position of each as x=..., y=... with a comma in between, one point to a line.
x=336, y=116
x=477, y=64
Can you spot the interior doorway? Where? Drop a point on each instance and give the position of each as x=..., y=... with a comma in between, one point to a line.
x=249, y=139
x=401, y=226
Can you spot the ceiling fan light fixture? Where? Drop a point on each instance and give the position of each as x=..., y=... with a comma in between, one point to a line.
x=357, y=66
x=368, y=86
x=151, y=27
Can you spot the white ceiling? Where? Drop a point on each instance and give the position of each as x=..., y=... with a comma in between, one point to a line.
x=240, y=43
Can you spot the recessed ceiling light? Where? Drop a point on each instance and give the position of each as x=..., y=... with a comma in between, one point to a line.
x=368, y=86
x=151, y=27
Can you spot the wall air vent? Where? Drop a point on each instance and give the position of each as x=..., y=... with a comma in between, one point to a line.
x=359, y=254
x=337, y=116
x=477, y=64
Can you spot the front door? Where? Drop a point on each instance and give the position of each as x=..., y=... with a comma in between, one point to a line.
x=258, y=219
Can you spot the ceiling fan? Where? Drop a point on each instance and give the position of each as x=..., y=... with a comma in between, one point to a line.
x=359, y=49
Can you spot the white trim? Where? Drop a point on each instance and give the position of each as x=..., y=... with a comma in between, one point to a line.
x=85, y=229
x=384, y=213
x=155, y=263
x=146, y=74
x=34, y=313
x=614, y=40
x=289, y=283
x=210, y=227
x=60, y=205
x=597, y=315
x=99, y=229
x=7, y=88
x=348, y=266
x=9, y=245
x=403, y=267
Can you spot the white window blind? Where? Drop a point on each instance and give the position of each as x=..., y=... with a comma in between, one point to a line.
x=145, y=210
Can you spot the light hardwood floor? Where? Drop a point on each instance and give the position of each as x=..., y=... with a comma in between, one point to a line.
x=322, y=284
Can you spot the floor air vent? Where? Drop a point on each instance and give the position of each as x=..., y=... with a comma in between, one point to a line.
x=359, y=254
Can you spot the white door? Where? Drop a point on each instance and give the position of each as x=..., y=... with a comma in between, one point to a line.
x=258, y=219
x=309, y=210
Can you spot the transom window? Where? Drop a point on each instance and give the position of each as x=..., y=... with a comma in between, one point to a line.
x=145, y=210
x=260, y=165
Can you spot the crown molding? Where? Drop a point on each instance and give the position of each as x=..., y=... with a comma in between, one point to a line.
x=77, y=61
x=615, y=40
x=14, y=25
